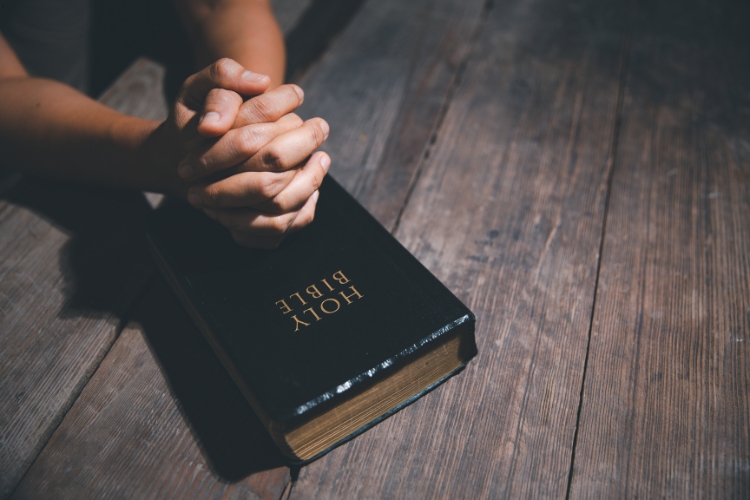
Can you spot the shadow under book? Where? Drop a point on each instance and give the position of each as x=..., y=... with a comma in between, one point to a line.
x=325, y=336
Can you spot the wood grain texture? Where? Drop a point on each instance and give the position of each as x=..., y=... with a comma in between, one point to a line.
x=382, y=86
x=159, y=405
x=64, y=285
x=71, y=263
x=228, y=446
x=666, y=406
x=138, y=91
x=51, y=336
x=508, y=213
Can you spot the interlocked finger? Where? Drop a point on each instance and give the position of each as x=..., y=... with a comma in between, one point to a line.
x=252, y=189
x=290, y=149
x=306, y=181
x=189, y=108
x=234, y=147
x=270, y=106
x=252, y=222
x=224, y=73
x=240, y=190
x=219, y=112
x=306, y=214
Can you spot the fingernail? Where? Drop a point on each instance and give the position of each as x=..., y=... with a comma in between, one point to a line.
x=251, y=77
x=325, y=162
x=185, y=171
x=211, y=213
x=325, y=127
x=300, y=93
x=210, y=118
x=194, y=199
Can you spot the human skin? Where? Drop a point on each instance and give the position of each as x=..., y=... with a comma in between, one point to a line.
x=247, y=31
x=243, y=30
x=269, y=179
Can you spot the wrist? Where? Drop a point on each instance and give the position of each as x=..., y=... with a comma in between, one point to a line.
x=155, y=157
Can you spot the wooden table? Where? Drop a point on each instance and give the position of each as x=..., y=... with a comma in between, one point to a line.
x=578, y=173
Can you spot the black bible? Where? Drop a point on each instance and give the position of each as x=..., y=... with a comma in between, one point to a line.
x=328, y=334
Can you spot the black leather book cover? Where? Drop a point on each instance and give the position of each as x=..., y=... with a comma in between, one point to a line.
x=334, y=308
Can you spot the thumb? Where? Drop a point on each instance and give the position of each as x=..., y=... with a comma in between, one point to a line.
x=225, y=74
x=219, y=112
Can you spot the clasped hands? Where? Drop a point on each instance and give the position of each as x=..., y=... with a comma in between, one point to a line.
x=242, y=155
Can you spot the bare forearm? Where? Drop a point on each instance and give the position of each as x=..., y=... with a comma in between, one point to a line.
x=51, y=130
x=244, y=30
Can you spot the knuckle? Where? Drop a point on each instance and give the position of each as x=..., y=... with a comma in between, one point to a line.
x=317, y=179
x=232, y=147
x=295, y=119
x=211, y=196
x=277, y=204
x=213, y=71
x=268, y=186
x=291, y=95
x=272, y=160
x=213, y=95
x=225, y=97
x=316, y=134
x=221, y=68
x=278, y=225
x=307, y=218
x=262, y=109
x=249, y=141
x=201, y=166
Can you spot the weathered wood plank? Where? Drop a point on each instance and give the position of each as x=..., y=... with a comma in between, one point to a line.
x=138, y=91
x=222, y=459
x=71, y=263
x=320, y=23
x=157, y=407
x=666, y=406
x=382, y=86
x=508, y=213
x=53, y=332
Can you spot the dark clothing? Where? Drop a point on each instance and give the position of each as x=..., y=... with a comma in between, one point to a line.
x=50, y=37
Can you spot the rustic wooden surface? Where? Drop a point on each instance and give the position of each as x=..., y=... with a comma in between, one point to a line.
x=382, y=87
x=507, y=144
x=666, y=404
x=84, y=474
x=72, y=262
x=71, y=265
x=508, y=213
x=127, y=436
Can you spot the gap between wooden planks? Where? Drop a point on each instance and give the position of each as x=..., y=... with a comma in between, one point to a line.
x=73, y=264
x=508, y=212
x=666, y=405
x=428, y=67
